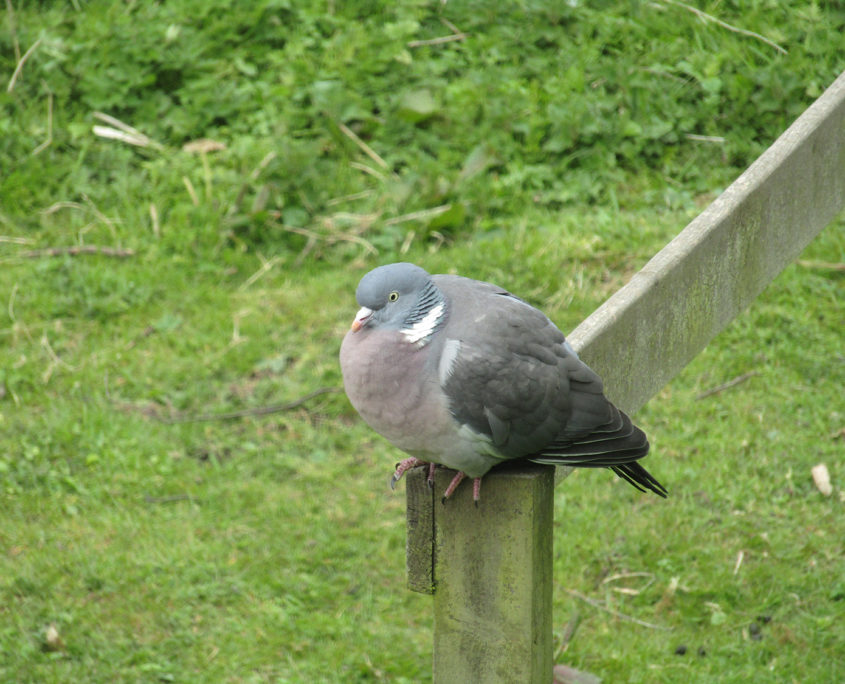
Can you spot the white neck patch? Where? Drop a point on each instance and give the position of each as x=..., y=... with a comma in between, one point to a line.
x=424, y=327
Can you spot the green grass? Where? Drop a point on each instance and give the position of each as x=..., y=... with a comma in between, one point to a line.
x=547, y=152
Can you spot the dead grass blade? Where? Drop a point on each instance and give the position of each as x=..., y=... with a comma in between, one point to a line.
x=21, y=62
x=707, y=17
x=622, y=616
x=118, y=130
x=369, y=151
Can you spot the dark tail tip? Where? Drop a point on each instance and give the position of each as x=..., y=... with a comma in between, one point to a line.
x=640, y=478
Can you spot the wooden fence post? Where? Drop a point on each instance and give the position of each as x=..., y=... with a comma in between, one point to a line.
x=492, y=569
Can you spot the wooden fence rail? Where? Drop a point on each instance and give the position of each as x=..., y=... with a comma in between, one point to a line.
x=490, y=568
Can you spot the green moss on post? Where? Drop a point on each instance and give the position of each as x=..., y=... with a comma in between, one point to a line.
x=419, y=518
x=492, y=574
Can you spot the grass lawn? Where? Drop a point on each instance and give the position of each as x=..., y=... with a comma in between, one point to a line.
x=251, y=162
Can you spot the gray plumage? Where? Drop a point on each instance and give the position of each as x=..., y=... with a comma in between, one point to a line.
x=462, y=373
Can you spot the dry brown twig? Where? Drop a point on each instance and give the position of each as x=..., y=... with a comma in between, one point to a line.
x=254, y=411
x=727, y=385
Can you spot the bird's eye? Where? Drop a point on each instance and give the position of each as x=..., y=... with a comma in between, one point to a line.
x=393, y=296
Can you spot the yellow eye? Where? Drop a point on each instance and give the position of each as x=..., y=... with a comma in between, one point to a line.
x=393, y=296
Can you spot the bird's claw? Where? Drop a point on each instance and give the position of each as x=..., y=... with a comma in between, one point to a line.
x=403, y=466
x=413, y=462
x=430, y=479
x=453, y=485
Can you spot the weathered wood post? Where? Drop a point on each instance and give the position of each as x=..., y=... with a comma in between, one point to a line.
x=490, y=568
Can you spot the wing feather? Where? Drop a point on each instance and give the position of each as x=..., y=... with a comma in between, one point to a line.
x=513, y=378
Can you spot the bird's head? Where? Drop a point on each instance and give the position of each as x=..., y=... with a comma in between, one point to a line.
x=395, y=297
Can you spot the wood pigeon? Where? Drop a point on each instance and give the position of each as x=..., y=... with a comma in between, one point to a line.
x=462, y=373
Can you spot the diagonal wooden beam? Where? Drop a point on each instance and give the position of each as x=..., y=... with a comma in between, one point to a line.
x=641, y=337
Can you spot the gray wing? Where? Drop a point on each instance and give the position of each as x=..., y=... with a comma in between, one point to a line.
x=509, y=374
x=523, y=387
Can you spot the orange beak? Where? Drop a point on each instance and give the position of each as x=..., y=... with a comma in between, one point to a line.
x=361, y=318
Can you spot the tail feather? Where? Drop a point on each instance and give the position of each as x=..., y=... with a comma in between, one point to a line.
x=640, y=478
x=617, y=445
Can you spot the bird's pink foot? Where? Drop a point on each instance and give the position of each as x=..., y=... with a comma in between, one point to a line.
x=430, y=480
x=405, y=465
x=453, y=485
